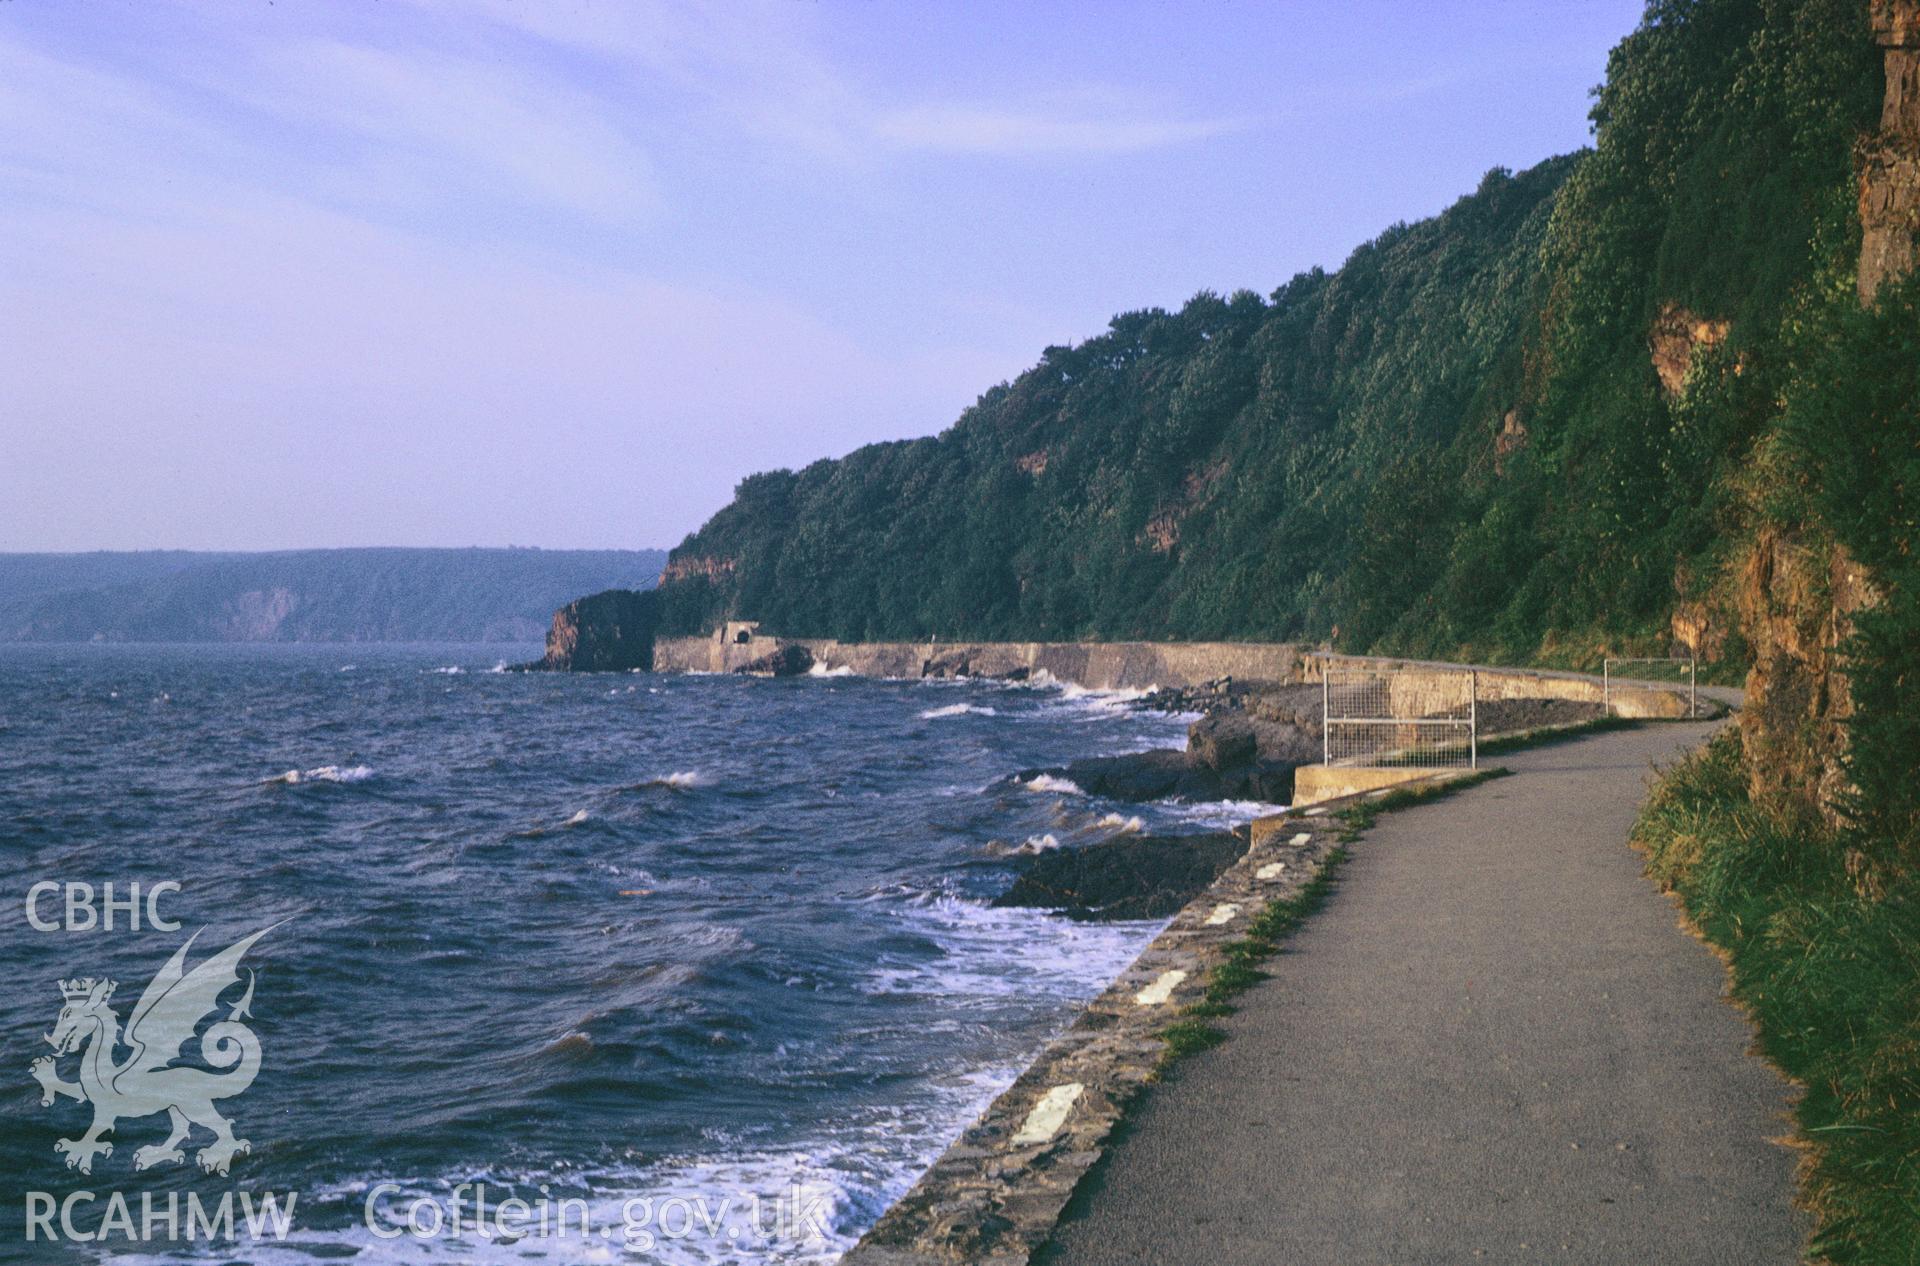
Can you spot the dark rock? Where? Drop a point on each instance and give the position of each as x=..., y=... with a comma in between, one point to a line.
x=947, y=664
x=790, y=660
x=1288, y=742
x=1134, y=776
x=604, y=632
x=1287, y=705
x=1167, y=773
x=1221, y=740
x=1133, y=877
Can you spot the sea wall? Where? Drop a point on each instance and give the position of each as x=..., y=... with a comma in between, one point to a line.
x=1426, y=687
x=1095, y=665
x=1419, y=687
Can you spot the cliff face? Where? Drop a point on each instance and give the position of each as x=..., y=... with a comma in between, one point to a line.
x=1801, y=592
x=604, y=632
x=1890, y=161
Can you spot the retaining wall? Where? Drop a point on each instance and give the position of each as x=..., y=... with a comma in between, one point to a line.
x=1095, y=665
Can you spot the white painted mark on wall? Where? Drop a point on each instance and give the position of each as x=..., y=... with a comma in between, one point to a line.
x=1161, y=989
x=1048, y=1115
x=1222, y=913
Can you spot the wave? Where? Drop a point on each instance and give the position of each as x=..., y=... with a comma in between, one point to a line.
x=958, y=710
x=1123, y=825
x=579, y=817
x=448, y=670
x=1117, y=694
x=1219, y=814
x=995, y=952
x=820, y=669
x=806, y=1204
x=1055, y=784
x=324, y=773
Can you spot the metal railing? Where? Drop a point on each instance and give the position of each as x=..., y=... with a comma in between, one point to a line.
x=1377, y=715
x=1693, y=671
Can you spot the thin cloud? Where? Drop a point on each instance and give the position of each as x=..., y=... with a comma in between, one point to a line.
x=999, y=131
x=760, y=67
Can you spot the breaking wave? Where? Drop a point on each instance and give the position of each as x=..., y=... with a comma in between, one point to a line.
x=324, y=773
x=819, y=669
x=958, y=710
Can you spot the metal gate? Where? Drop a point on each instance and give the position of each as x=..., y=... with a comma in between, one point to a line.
x=1374, y=713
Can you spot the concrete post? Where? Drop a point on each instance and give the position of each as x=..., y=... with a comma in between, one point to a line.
x=1473, y=720
x=1326, y=717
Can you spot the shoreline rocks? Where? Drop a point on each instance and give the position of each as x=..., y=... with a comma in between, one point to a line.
x=789, y=660
x=1130, y=877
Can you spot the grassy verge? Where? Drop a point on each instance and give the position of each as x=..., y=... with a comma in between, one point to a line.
x=1270, y=928
x=1829, y=970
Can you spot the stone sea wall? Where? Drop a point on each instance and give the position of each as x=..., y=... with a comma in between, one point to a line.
x=1419, y=687
x=1095, y=665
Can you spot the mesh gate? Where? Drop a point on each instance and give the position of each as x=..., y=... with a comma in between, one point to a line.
x=1376, y=715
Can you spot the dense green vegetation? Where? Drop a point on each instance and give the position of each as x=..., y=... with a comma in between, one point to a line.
x=1825, y=956
x=402, y=595
x=1325, y=461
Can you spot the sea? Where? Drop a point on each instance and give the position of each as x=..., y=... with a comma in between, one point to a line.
x=676, y=969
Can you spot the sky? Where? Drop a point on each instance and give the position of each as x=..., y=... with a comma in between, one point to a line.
x=561, y=272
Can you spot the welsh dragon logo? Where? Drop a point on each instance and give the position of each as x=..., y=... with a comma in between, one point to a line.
x=148, y=1080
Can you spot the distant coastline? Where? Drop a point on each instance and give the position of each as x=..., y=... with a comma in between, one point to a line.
x=391, y=594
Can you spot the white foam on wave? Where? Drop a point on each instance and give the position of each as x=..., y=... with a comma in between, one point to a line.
x=578, y=817
x=1123, y=825
x=1055, y=784
x=1098, y=704
x=992, y=952
x=1115, y=694
x=801, y=1205
x=958, y=710
x=820, y=669
x=324, y=773
x=1217, y=814
x=1037, y=844
x=499, y=667
x=679, y=780
x=448, y=670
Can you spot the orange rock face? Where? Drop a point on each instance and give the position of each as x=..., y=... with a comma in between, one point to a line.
x=1676, y=335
